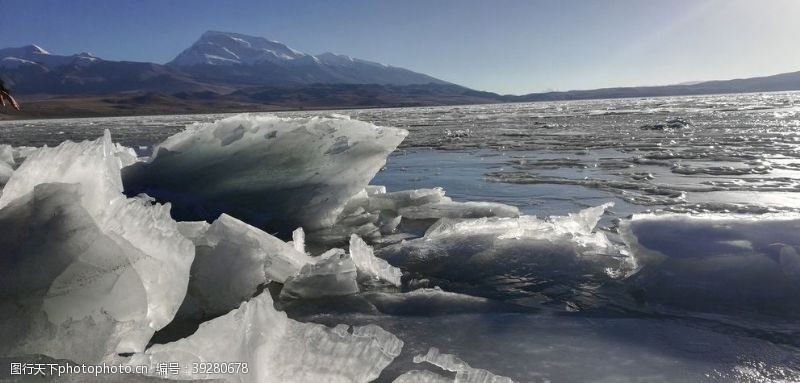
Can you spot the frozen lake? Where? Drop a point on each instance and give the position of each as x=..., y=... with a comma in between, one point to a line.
x=712, y=184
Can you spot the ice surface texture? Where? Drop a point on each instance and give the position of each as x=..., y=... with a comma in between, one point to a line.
x=86, y=271
x=268, y=171
x=279, y=349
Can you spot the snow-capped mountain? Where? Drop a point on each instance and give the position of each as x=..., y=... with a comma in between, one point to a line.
x=218, y=61
x=37, y=56
x=222, y=48
x=233, y=57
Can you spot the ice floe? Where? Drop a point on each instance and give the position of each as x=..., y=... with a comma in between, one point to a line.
x=474, y=250
x=717, y=263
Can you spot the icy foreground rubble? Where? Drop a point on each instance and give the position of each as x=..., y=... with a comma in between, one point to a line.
x=86, y=272
x=267, y=171
x=278, y=349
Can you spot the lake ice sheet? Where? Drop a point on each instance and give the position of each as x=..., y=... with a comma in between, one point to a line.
x=712, y=294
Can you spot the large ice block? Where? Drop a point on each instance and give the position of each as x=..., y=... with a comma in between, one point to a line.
x=74, y=289
x=87, y=271
x=268, y=171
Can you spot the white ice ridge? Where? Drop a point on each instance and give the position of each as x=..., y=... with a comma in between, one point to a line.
x=233, y=259
x=279, y=349
x=86, y=271
x=264, y=169
x=370, y=265
x=449, y=362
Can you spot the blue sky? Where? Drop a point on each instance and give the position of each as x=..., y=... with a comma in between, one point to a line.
x=497, y=45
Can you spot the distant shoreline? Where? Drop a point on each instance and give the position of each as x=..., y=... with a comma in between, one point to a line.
x=122, y=106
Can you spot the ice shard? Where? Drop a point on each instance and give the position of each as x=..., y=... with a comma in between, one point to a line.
x=233, y=259
x=266, y=170
x=370, y=265
x=278, y=349
x=332, y=274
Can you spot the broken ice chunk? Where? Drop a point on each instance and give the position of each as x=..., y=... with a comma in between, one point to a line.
x=584, y=221
x=464, y=373
x=278, y=349
x=449, y=209
x=73, y=288
x=332, y=274
x=370, y=265
x=233, y=259
x=504, y=253
x=339, y=234
x=268, y=171
x=299, y=240
x=194, y=230
x=112, y=256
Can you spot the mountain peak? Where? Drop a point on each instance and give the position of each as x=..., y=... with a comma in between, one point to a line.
x=35, y=49
x=228, y=48
x=34, y=55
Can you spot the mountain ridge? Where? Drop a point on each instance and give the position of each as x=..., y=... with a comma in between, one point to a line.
x=230, y=71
